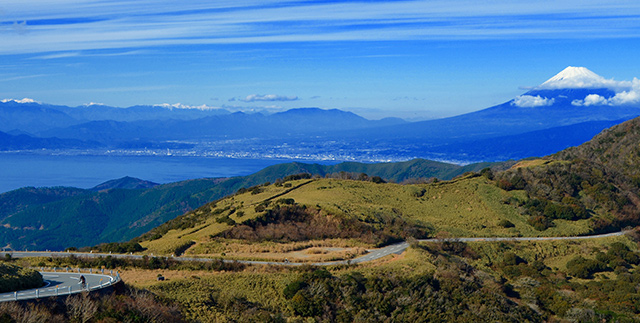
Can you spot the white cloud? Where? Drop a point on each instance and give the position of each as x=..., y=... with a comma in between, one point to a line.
x=268, y=97
x=183, y=106
x=58, y=55
x=630, y=96
x=529, y=101
x=98, y=24
x=591, y=99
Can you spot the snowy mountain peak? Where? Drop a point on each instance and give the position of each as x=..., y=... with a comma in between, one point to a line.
x=25, y=100
x=577, y=78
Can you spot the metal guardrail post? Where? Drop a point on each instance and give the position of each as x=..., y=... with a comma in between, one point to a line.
x=15, y=295
x=69, y=290
x=37, y=293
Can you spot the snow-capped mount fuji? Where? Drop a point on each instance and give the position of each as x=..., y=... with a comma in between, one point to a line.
x=566, y=110
x=578, y=86
x=577, y=78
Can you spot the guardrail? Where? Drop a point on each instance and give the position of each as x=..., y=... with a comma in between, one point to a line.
x=106, y=278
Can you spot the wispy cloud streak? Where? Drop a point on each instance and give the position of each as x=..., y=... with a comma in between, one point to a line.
x=77, y=25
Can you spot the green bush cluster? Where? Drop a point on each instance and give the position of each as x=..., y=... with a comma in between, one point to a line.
x=352, y=297
x=571, y=190
x=117, y=247
x=618, y=258
x=584, y=268
x=13, y=278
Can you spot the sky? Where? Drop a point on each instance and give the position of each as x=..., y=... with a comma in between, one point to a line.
x=411, y=59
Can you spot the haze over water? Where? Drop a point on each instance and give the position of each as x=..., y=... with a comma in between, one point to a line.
x=20, y=170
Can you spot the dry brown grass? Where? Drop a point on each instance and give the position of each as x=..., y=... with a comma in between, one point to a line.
x=530, y=163
x=144, y=277
x=306, y=255
x=315, y=250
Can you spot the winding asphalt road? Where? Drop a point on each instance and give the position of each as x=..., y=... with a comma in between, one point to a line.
x=59, y=283
x=372, y=254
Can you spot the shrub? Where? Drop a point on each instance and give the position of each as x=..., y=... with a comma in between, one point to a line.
x=584, y=268
x=183, y=247
x=487, y=172
x=539, y=222
x=415, y=191
x=506, y=223
x=378, y=180
x=119, y=247
x=13, y=278
x=511, y=259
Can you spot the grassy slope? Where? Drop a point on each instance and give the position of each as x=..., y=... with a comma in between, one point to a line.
x=470, y=206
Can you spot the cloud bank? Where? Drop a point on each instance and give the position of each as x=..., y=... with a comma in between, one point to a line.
x=183, y=106
x=628, y=97
x=268, y=97
x=529, y=101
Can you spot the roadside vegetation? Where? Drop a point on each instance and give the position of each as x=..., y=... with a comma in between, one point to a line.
x=14, y=277
x=127, y=305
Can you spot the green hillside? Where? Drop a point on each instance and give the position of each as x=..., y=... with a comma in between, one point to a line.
x=60, y=217
x=93, y=217
x=600, y=177
x=21, y=199
x=353, y=213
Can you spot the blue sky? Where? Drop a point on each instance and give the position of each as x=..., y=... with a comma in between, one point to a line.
x=411, y=59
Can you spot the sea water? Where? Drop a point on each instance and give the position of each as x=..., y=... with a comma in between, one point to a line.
x=20, y=170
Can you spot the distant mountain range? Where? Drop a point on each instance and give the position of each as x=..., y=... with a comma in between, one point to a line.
x=564, y=111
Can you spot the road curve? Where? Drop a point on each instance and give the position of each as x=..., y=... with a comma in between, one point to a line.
x=372, y=254
x=62, y=283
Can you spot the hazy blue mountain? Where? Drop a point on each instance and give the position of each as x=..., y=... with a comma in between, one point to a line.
x=235, y=125
x=22, y=142
x=31, y=117
x=138, y=112
x=535, y=143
